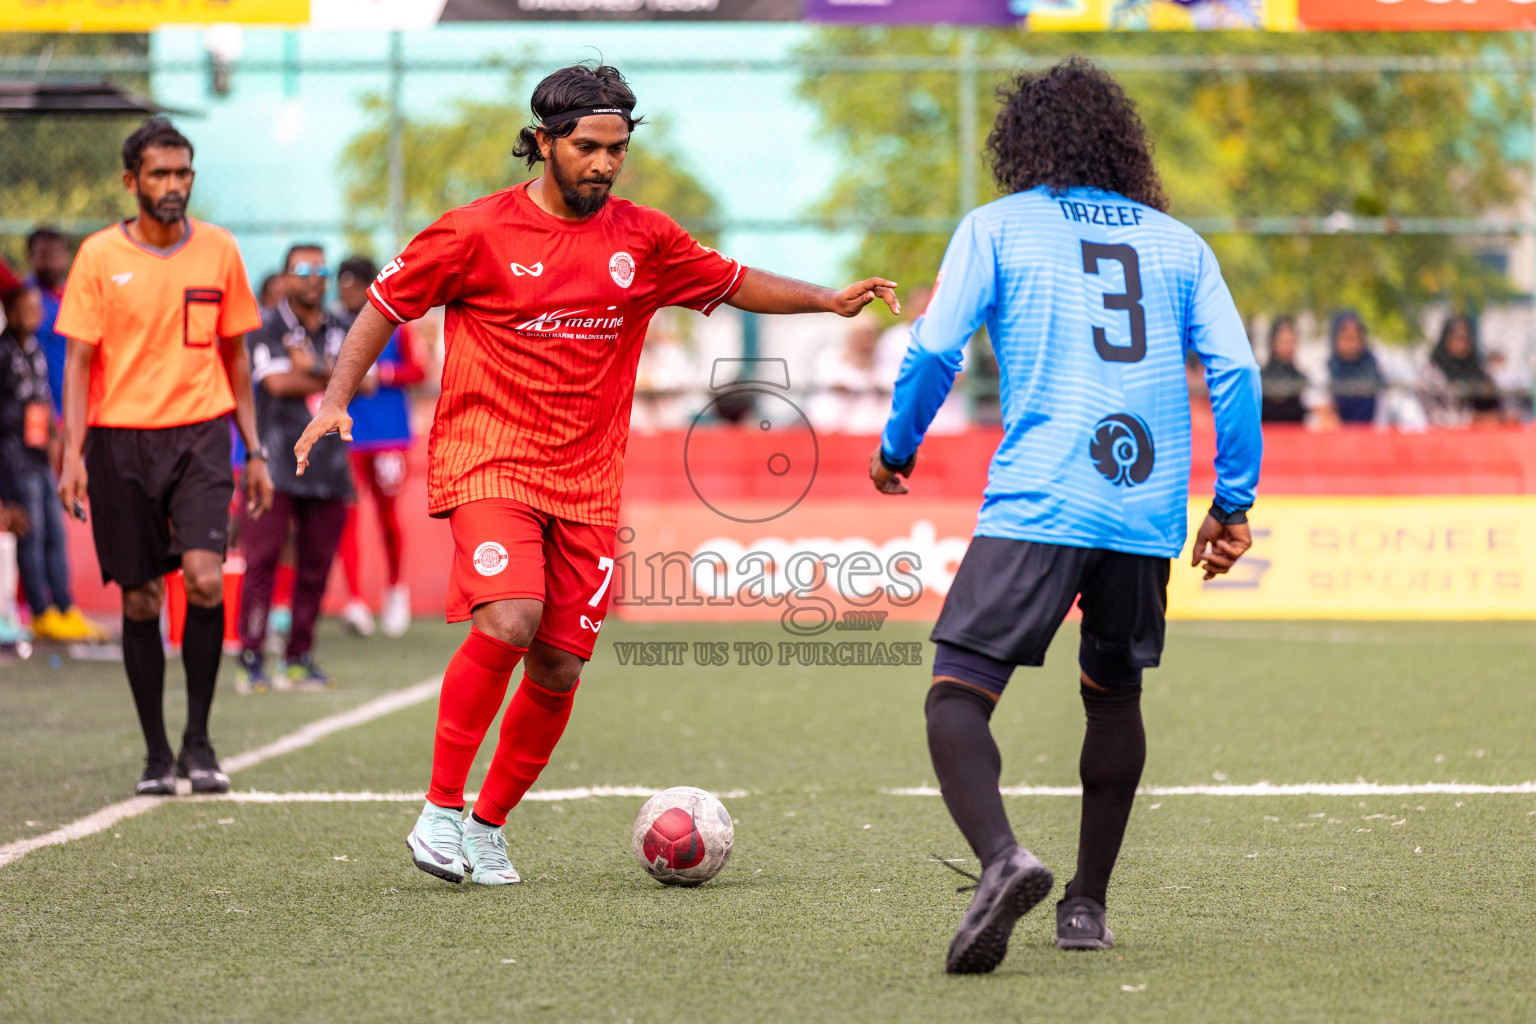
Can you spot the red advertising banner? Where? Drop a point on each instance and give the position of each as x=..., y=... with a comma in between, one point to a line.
x=1418, y=15
x=754, y=525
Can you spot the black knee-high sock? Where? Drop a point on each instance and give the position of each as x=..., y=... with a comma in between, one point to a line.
x=144, y=661
x=968, y=765
x=1114, y=751
x=202, y=644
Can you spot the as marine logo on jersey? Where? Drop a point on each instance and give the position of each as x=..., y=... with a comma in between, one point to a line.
x=1121, y=449
x=621, y=267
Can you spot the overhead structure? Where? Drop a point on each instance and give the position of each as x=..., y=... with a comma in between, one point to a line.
x=82, y=99
x=1038, y=15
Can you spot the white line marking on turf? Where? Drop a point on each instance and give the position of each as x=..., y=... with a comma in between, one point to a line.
x=317, y=730
x=367, y=796
x=1266, y=789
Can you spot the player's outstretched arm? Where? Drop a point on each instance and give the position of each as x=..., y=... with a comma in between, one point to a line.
x=367, y=338
x=762, y=292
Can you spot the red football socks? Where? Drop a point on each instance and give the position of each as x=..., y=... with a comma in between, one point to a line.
x=530, y=729
x=473, y=689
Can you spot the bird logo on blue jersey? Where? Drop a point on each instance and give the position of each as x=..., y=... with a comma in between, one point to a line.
x=1121, y=449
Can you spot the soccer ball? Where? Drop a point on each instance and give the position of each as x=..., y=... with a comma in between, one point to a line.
x=683, y=836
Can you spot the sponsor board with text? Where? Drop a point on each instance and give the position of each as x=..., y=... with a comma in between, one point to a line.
x=824, y=568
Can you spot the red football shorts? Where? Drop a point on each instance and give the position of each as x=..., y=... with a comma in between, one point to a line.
x=505, y=549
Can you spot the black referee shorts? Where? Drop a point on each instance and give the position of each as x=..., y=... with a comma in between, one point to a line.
x=156, y=494
x=1010, y=596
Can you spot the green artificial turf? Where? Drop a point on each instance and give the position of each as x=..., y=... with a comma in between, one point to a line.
x=70, y=743
x=1225, y=908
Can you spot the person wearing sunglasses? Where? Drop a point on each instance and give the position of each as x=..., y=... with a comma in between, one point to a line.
x=291, y=360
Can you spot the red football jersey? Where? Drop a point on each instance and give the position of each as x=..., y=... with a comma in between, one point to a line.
x=544, y=323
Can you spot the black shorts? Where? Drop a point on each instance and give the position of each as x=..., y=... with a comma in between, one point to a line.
x=156, y=494
x=1010, y=597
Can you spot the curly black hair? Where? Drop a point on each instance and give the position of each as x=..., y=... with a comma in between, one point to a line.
x=1072, y=125
x=577, y=87
x=155, y=131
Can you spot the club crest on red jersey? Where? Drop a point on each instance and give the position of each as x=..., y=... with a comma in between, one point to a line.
x=490, y=558
x=621, y=267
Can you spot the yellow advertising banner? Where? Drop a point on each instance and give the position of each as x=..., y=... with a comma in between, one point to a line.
x=1467, y=557
x=143, y=15
x=1168, y=15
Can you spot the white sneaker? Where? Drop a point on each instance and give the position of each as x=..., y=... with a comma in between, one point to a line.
x=357, y=616
x=485, y=856
x=395, y=619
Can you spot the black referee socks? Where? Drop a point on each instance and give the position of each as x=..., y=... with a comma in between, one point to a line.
x=966, y=760
x=144, y=661
x=1114, y=751
x=202, y=644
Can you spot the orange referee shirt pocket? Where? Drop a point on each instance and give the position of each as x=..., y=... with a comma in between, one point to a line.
x=200, y=316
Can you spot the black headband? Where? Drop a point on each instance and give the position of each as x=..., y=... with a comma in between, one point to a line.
x=574, y=115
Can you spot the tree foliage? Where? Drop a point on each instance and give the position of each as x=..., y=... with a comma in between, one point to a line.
x=64, y=171
x=1419, y=144
x=469, y=154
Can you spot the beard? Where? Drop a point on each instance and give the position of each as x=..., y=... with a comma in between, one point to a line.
x=170, y=209
x=584, y=202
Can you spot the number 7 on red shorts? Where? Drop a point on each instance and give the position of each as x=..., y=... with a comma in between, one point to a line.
x=505, y=549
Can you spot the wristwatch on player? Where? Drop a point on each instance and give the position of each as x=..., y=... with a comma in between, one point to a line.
x=257, y=453
x=1227, y=517
x=902, y=468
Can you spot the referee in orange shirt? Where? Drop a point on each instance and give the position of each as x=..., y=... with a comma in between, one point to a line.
x=155, y=313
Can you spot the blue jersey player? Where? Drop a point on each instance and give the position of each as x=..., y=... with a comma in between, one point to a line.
x=1092, y=296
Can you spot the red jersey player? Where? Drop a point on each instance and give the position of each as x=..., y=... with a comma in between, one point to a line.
x=549, y=286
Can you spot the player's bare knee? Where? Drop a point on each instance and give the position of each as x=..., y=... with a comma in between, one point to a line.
x=202, y=574
x=553, y=668
x=144, y=603
x=204, y=589
x=512, y=622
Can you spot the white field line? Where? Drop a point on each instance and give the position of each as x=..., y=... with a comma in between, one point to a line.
x=368, y=796
x=317, y=730
x=1269, y=789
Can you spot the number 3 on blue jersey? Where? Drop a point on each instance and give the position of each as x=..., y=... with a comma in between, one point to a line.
x=1128, y=301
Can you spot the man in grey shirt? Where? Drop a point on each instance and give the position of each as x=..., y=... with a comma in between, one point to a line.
x=291, y=359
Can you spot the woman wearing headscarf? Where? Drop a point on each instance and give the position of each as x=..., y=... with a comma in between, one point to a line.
x=1283, y=383
x=1354, y=377
x=1455, y=386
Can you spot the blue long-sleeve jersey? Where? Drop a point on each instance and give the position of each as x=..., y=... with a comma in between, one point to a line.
x=1091, y=302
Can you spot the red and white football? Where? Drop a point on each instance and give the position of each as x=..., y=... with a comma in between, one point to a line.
x=683, y=836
